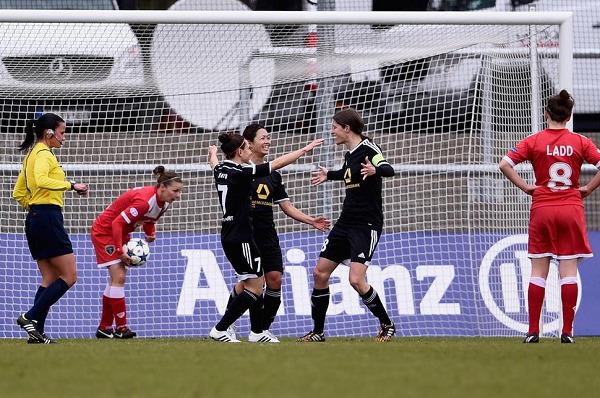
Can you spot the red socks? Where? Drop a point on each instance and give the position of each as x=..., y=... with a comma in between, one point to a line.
x=535, y=300
x=568, y=294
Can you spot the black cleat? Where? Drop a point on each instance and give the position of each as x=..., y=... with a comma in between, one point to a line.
x=531, y=338
x=124, y=332
x=105, y=333
x=567, y=339
x=312, y=337
x=47, y=340
x=30, y=326
x=386, y=332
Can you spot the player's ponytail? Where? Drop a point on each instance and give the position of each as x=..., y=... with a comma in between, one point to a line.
x=165, y=177
x=230, y=143
x=560, y=106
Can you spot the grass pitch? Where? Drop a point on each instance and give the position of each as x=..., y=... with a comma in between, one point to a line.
x=405, y=367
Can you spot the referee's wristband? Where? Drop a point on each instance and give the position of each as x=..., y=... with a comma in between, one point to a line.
x=72, y=185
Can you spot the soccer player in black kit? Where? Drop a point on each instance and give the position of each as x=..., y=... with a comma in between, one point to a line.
x=356, y=233
x=233, y=180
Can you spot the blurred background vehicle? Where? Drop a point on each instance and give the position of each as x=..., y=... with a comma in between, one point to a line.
x=90, y=74
x=586, y=65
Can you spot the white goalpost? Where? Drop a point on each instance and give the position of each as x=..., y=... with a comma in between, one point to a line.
x=445, y=95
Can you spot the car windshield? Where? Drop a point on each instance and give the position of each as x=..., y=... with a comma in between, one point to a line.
x=57, y=4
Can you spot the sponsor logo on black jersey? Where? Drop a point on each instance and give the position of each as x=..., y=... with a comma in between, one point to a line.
x=262, y=191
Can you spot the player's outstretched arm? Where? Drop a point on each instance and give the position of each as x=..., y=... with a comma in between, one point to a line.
x=319, y=177
x=212, y=156
x=291, y=157
x=320, y=223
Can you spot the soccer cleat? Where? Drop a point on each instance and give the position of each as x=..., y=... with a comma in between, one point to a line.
x=386, y=332
x=232, y=331
x=531, y=338
x=222, y=336
x=312, y=336
x=105, y=333
x=47, y=340
x=567, y=339
x=123, y=332
x=30, y=326
x=264, y=337
x=271, y=335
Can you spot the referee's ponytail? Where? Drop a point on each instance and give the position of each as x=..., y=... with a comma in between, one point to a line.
x=34, y=128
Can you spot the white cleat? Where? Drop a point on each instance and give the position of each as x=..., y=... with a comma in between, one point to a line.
x=264, y=337
x=232, y=331
x=222, y=336
x=271, y=335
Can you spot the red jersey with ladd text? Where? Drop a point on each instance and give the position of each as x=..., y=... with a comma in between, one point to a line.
x=556, y=157
x=135, y=207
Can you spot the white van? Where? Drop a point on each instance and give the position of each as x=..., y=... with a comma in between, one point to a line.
x=586, y=65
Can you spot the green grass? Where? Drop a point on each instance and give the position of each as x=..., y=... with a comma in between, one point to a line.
x=406, y=367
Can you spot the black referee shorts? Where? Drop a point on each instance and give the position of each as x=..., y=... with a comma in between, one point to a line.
x=45, y=231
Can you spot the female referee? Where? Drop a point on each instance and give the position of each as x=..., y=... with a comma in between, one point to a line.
x=557, y=228
x=233, y=179
x=356, y=234
x=39, y=190
x=110, y=231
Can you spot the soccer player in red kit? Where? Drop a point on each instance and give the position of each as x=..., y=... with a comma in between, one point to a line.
x=136, y=207
x=557, y=228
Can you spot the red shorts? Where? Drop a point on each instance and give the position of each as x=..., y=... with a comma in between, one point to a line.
x=104, y=246
x=559, y=232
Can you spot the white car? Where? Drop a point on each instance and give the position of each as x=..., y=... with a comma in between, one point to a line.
x=586, y=48
x=90, y=74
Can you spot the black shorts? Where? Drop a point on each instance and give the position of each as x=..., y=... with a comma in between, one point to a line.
x=45, y=231
x=272, y=259
x=267, y=242
x=245, y=259
x=356, y=243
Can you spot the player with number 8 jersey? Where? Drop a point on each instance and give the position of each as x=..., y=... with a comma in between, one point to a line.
x=557, y=228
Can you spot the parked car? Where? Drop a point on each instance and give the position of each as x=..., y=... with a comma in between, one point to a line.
x=418, y=95
x=90, y=74
x=586, y=47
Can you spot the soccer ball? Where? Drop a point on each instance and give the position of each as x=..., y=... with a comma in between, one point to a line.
x=138, y=250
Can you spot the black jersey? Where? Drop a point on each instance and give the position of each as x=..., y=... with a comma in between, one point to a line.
x=363, y=203
x=266, y=192
x=234, y=186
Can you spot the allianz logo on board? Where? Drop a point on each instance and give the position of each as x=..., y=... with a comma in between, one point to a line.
x=202, y=266
x=504, y=279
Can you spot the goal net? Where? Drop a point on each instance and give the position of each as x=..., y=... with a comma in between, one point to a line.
x=445, y=95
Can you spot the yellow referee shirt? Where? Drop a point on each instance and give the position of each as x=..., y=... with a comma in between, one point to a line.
x=41, y=180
